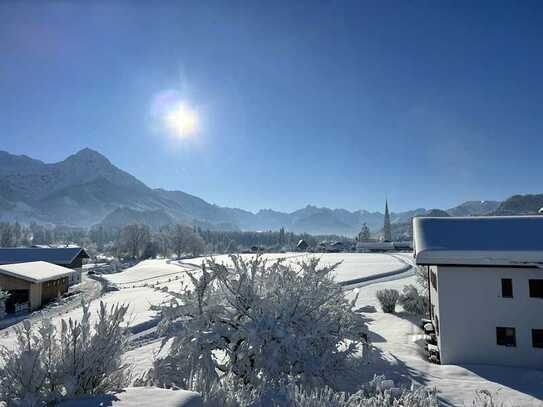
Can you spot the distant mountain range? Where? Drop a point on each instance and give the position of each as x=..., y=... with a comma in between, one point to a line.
x=86, y=189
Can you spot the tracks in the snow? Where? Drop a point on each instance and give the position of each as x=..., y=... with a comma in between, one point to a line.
x=406, y=270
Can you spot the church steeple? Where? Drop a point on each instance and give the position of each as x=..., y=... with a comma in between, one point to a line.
x=386, y=228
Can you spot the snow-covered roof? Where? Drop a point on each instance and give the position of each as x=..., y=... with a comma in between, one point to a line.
x=36, y=271
x=57, y=255
x=485, y=240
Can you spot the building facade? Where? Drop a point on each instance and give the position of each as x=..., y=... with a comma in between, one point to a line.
x=485, y=288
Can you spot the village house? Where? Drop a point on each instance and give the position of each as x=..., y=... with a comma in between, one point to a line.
x=33, y=284
x=70, y=257
x=302, y=246
x=485, y=287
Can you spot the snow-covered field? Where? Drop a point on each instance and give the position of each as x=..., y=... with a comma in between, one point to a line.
x=149, y=272
x=352, y=267
x=139, y=285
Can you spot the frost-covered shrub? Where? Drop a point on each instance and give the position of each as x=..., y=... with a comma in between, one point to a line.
x=48, y=365
x=23, y=374
x=91, y=354
x=412, y=301
x=388, y=298
x=4, y=295
x=374, y=394
x=268, y=323
x=421, y=275
x=484, y=398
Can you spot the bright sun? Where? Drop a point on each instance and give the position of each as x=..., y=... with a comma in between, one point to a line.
x=182, y=120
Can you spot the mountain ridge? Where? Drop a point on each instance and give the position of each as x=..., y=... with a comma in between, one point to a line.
x=86, y=189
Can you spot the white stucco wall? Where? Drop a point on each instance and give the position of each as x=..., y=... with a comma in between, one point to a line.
x=471, y=307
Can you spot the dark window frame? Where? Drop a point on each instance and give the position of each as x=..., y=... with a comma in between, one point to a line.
x=503, y=339
x=507, y=287
x=537, y=342
x=536, y=287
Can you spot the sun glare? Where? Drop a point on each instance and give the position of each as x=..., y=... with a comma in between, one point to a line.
x=182, y=120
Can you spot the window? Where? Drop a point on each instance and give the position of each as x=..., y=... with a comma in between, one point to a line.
x=536, y=288
x=505, y=336
x=507, y=288
x=537, y=338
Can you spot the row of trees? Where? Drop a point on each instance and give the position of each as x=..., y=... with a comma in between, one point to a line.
x=16, y=234
x=232, y=241
x=140, y=241
x=134, y=241
x=13, y=234
x=137, y=241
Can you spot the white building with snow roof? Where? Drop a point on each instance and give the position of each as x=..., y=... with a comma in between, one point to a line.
x=486, y=287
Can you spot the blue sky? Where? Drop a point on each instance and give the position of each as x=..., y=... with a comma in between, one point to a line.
x=334, y=103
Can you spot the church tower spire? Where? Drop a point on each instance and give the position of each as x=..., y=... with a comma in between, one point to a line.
x=386, y=228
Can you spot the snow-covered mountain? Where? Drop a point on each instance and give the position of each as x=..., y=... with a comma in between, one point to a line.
x=30, y=180
x=521, y=205
x=471, y=208
x=86, y=189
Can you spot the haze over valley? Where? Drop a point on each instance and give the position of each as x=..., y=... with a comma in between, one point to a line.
x=86, y=189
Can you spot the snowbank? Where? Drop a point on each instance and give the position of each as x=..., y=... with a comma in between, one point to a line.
x=140, y=397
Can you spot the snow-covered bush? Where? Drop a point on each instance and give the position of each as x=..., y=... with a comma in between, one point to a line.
x=23, y=374
x=485, y=398
x=91, y=354
x=4, y=295
x=376, y=393
x=421, y=275
x=388, y=297
x=412, y=301
x=82, y=358
x=258, y=323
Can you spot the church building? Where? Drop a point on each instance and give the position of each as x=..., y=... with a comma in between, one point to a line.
x=387, y=231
